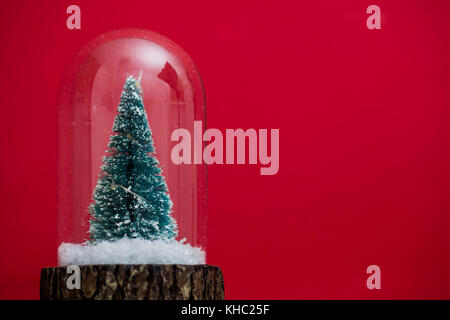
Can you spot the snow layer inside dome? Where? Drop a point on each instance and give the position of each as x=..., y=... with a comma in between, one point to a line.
x=130, y=251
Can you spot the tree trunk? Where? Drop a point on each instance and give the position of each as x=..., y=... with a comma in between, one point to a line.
x=133, y=282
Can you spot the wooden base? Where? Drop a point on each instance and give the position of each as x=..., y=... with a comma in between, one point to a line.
x=134, y=282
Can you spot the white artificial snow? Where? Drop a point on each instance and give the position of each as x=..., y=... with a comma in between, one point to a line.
x=130, y=251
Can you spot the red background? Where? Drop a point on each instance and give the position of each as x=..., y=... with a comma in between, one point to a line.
x=364, y=139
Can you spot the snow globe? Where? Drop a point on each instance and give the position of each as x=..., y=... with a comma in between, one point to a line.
x=131, y=217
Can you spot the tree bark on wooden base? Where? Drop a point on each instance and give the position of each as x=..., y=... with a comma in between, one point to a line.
x=134, y=282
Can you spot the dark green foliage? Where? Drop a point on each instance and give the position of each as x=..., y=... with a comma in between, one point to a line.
x=131, y=198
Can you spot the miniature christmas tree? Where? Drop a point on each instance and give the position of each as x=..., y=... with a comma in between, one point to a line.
x=131, y=199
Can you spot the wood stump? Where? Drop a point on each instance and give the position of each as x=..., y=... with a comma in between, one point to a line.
x=134, y=282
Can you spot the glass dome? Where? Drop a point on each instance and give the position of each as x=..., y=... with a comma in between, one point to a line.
x=90, y=93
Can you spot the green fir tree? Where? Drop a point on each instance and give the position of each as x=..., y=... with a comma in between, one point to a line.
x=131, y=199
